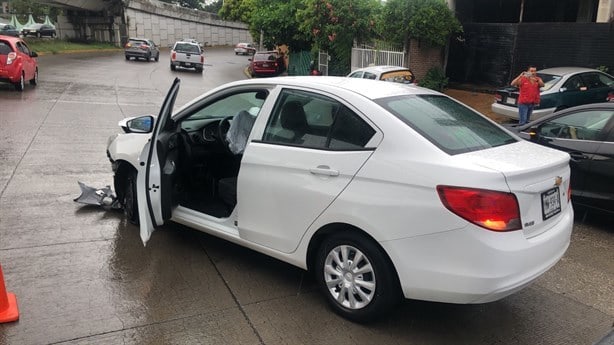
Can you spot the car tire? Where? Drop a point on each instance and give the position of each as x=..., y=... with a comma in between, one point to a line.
x=236, y=53
x=129, y=198
x=199, y=70
x=363, y=290
x=38, y=34
x=157, y=58
x=148, y=58
x=127, y=57
x=173, y=67
x=34, y=81
x=19, y=86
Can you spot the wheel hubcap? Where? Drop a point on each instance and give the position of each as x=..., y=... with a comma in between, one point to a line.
x=350, y=277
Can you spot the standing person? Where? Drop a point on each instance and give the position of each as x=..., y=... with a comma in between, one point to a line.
x=528, y=84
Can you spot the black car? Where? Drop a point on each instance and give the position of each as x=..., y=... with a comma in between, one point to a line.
x=587, y=133
x=8, y=30
x=38, y=30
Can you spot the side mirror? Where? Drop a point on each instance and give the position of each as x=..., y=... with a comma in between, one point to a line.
x=142, y=124
x=33, y=54
x=533, y=133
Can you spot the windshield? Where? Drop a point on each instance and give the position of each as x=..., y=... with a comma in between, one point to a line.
x=231, y=105
x=549, y=80
x=446, y=123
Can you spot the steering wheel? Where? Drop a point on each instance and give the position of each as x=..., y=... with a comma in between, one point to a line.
x=222, y=130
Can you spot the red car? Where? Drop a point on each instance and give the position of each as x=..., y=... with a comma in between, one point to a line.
x=266, y=64
x=17, y=63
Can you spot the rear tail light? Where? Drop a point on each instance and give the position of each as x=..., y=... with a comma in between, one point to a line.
x=173, y=56
x=11, y=57
x=610, y=97
x=202, y=59
x=492, y=210
x=128, y=45
x=498, y=98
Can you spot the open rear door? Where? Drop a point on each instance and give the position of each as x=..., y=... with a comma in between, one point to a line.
x=156, y=170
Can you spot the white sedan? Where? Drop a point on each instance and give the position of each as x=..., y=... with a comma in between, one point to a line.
x=382, y=190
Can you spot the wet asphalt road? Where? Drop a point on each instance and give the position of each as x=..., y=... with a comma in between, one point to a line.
x=82, y=276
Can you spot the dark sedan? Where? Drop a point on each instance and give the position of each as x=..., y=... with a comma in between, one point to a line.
x=8, y=30
x=587, y=133
x=38, y=30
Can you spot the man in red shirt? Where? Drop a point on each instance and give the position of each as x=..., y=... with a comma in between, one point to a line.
x=528, y=83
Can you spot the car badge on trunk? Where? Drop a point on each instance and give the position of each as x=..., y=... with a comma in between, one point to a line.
x=558, y=180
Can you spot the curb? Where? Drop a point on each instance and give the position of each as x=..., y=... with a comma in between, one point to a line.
x=76, y=51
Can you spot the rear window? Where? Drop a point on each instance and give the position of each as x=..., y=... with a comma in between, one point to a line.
x=265, y=57
x=401, y=76
x=5, y=48
x=187, y=48
x=136, y=42
x=446, y=123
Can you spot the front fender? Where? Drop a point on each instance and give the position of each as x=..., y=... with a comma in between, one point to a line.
x=127, y=147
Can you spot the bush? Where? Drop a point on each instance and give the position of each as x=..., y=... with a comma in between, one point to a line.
x=434, y=79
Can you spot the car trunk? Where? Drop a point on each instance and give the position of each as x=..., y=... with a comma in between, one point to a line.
x=507, y=96
x=537, y=175
x=5, y=49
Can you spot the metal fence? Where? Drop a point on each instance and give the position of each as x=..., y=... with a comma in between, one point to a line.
x=323, y=59
x=363, y=57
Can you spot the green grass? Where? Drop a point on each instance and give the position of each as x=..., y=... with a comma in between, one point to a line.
x=47, y=46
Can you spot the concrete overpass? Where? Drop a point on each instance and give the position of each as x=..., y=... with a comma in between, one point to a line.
x=116, y=20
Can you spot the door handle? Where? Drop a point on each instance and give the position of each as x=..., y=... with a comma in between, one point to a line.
x=324, y=170
x=578, y=156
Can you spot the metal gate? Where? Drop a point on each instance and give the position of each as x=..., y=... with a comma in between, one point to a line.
x=323, y=59
x=364, y=57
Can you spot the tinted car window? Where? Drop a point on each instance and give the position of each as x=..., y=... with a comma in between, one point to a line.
x=136, y=42
x=265, y=57
x=5, y=48
x=356, y=75
x=574, y=83
x=369, y=75
x=446, y=123
x=596, y=80
x=403, y=76
x=187, y=48
x=315, y=121
x=23, y=48
x=583, y=125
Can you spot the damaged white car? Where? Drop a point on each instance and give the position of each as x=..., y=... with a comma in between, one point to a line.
x=382, y=190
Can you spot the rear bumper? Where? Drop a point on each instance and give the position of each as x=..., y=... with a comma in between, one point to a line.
x=141, y=54
x=187, y=64
x=8, y=76
x=512, y=112
x=474, y=265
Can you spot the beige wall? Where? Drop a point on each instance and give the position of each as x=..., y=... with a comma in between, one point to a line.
x=606, y=9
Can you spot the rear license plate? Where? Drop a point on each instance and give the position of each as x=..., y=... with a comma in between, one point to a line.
x=551, y=203
x=188, y=64
x=265, y=65
x=510, y=100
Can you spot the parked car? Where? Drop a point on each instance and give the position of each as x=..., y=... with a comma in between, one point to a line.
x=587, y=133
x=38, y=30
x=187, y=55
x=141, y=48
x=17, y=62
x=8, y=30
x=269, y=63
x=387, y=73
x=382, y=190
x=565, y=87
x=245, y=49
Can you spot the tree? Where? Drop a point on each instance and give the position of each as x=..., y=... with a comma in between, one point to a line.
x=334, y=25
x=213, y=7
x=429, y=21
x=23, y=8
x=193, y=4
x=278, y=22
x=238, y=10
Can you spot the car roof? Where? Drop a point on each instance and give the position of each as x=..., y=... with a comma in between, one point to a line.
x=371, y=89
x=381, y=69
x=10, y=38
x=566, y=70
x=188, y=42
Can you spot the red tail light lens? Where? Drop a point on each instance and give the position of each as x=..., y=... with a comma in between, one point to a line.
x=202, y=59
x=492, y=210
x=498, y=98
x=610, y=97
x=144, y=46
x=128, y=45
x=11, y=57
x=173, y=56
